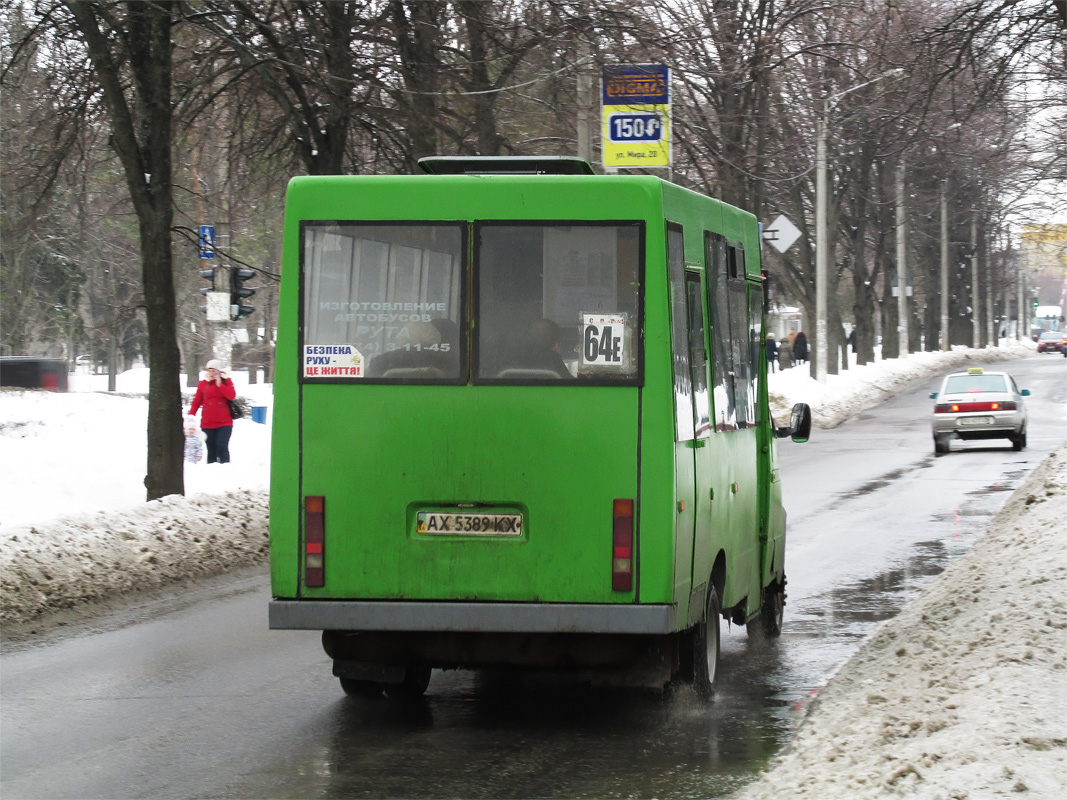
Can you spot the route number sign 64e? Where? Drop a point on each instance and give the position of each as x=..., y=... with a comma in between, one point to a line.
x=635, y=126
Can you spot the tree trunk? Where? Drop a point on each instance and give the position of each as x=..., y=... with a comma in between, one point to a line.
x=486, y=134
x=141, y=131
x=417, y=44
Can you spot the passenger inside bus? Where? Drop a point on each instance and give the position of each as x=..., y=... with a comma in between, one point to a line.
x=417, y=353
x=537, y=353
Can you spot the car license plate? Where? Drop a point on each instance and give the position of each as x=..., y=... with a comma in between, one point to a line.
x=976, y=421
x=433, y=523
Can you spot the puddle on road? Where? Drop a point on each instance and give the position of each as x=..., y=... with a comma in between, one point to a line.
x=1009, y=483
x=878, y=483
x=888, y=479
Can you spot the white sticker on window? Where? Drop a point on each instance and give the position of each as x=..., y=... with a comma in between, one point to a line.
x=603, y=340
x=333, y=361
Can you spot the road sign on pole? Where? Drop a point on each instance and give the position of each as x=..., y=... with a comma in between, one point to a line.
x=207, y=241
x=781, y=233
x=218, y=306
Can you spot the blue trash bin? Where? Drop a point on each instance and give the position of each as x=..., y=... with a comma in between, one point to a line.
x=259, y=414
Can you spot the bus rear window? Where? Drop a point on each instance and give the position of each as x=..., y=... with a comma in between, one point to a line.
x=383, y=301
x=557, y=302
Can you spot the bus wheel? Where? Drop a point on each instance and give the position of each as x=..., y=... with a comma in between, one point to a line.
x=705, y=640
x=358, y=688
x=772, y=613
x=416, y=679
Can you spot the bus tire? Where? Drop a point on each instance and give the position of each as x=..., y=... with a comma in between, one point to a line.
x=358, y=688
x=772, y=612
x=416, y=679
x=705, y=644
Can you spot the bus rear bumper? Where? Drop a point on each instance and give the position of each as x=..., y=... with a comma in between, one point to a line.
x=462, y=617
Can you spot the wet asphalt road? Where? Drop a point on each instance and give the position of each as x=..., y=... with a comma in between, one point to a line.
x=191, y=696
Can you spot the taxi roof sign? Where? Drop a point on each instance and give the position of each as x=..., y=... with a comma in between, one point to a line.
x=974, y=371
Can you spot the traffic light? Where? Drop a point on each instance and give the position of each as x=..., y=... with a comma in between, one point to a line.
x=208, y=275
x=238, y=292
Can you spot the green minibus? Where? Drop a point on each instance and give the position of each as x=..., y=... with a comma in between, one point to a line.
x=521, y=421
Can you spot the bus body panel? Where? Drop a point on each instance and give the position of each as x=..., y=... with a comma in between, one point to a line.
x=466, y=449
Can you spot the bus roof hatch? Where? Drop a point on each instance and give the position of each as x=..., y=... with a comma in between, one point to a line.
x=506, y=165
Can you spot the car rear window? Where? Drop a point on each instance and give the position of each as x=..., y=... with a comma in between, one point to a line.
x=958, y=384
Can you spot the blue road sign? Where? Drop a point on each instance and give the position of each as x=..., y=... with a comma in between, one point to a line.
x=207, y=241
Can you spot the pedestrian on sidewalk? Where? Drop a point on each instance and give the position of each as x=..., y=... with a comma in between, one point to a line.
x=214, y=394
x=785, y=355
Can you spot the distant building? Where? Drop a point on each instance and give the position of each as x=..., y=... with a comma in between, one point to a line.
x=1044, y=250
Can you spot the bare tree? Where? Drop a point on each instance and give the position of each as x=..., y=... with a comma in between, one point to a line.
x=129, y=47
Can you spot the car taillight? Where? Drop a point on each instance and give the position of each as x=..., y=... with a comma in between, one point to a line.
x=963, y=408
x=314, y=540
x=622, y=545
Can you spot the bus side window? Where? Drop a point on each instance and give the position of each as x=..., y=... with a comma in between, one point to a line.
x=698, y=356
x=755, y=321
x=723, y=394
x=739, y=345
x=683, y=384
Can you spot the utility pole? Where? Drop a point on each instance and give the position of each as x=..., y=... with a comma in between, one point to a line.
x=992, y=335
x=944, y=267
x=1020, y=298
x=822, y=246
x=1009, y=280
x=976, y=292
x=902, y=270
x=585, y=100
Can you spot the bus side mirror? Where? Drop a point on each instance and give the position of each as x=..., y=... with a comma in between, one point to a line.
x=799, y=424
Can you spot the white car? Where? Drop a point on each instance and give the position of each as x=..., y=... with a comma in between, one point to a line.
x=978, y=404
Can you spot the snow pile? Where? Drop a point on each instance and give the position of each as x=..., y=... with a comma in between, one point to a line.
x=104, y=555
x=964, y=693
x=74, y=526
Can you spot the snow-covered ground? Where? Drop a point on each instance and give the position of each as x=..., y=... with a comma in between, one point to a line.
x=963, y=694
x=74, y=526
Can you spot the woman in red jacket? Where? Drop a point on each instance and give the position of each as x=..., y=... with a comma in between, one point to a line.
x=214, y=395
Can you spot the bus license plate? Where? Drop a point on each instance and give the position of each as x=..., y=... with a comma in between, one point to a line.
x=976, y=421
x=433, y=523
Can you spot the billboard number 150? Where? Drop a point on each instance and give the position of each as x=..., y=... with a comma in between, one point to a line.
x=646, y=127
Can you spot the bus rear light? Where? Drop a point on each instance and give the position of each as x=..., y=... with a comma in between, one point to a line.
x=314, y=540
x=622, y=545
